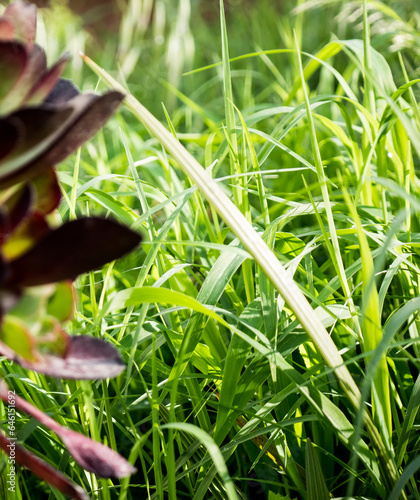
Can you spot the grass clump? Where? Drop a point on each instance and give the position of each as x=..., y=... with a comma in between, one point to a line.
x=235, y=387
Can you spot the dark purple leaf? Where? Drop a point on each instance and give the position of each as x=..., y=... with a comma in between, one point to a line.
x=91, y=455
x=91, y=113
x=72, y=249
x=22, y=16
x=37, y=129
x=4, y=275
x=9, y=137
x=49, y=134
x=63, y=91
x=87, y=358
x=42, y=469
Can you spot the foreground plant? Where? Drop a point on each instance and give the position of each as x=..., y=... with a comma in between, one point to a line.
x=43, y=119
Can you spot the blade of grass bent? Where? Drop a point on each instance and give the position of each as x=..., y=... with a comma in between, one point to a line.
x=258, y=249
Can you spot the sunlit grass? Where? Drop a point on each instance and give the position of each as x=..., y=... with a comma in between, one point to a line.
x=224, y=394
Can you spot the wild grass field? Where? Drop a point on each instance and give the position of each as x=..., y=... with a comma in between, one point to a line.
x=272, y=349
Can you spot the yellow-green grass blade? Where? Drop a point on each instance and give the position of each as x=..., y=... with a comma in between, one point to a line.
x=372, y=332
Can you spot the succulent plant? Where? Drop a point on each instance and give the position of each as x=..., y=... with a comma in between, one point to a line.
x=43, y=119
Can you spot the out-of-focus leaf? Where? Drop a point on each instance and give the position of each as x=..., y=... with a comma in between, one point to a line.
x=52, y=339
x=60, y=305
x=25, y=236
x=22, y=16
x=87, y=358
x=91, y=455
x=43, y=119
x=91, y=113
x=35, y=67
x=63, y=91
x=48, y=193
x=47, y=82
x=25, y=79
x=9, y=135
x=49, y=133
x=13, y=59
x=16, y=335
x=13, y=211
x=95, y=457
x=6, y=29
x=31, y=302
x=72, y=249
x=42, y=469
x=38, y=129
x=8, y=298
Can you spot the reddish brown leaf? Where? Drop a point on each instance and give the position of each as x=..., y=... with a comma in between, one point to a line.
x=41, y=469
x=9, y=134
x=25, y=236
x=95, y=457
x=91, y=455
x=7, y=31
x=72, y=249
x=22, y=16
x=38, y=128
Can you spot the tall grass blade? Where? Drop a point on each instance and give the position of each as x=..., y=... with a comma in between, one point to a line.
x=372, y=332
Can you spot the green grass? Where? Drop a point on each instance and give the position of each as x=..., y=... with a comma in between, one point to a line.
x=272, y=346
